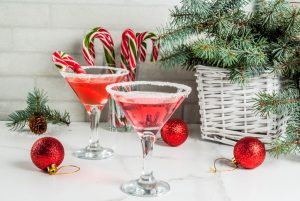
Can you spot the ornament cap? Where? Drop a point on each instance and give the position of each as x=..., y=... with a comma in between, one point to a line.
x=52, y=169
x=234, y=162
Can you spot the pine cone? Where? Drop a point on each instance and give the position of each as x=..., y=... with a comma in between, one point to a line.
x=38, y=124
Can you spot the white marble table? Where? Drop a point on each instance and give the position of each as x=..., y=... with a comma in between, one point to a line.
x=186, y=168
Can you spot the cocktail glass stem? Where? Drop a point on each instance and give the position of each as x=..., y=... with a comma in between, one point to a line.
x=147, y=179
x=94, y=151
x=94, y=115
x=90, y=89
x=147, y=106
x=146, y=185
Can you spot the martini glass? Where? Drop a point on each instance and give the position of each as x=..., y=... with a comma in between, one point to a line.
x=90, y=89
x=147, y=105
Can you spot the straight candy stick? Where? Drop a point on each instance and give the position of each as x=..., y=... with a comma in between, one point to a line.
x=108, y=45
x=129, y=52
x=64, y=61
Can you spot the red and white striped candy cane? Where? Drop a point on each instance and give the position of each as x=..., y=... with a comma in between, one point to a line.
x=129, y=52
x=108, y=45
x=142, y=46
x=64, y=61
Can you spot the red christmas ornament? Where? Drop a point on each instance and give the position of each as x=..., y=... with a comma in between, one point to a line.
x=47, y=153
x=249, y=152
x=174, y=132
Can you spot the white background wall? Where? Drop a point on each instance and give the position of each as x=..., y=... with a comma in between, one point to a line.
x=30, y=30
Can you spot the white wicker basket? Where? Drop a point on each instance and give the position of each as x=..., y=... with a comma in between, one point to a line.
x=226, y=109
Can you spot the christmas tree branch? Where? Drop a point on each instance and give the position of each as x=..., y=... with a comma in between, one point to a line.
x=285, y=147
x=287, y=144
x=36, y=100
x=283, y=102
x=56, y=117
x=289, y=67
x=174, y=58
x=36, y=106
x=220, y=33
x=18, y=119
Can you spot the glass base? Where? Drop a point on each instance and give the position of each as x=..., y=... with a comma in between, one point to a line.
x=94, y=153
x=139, y=189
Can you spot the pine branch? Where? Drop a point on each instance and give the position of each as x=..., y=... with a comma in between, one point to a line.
x=36, y=100
x=219, y=33
x=282, y=102
x=287, y=144
x=178, y=36
x=227, y=5
x=56, y=117
x=175, y=58
x=284, y=147
x=288, y=68
x=169, y=31
x=36, y=105
x=18, y=119
x=269, y=35
x=191, y=12
x=293, y=23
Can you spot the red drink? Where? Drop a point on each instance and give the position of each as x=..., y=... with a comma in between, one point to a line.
x=148, y=105
x=91, y=91
x=148, y=112
x=90, y=88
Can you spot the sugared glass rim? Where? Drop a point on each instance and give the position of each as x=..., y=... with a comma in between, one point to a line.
x=185, y=90
x=119, y=72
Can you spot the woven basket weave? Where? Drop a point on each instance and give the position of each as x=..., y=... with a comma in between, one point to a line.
x=227, y=109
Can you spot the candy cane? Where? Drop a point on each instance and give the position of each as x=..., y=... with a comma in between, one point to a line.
x=129, y=52
x=142, y=46
x=64, y=61
x=108, y=45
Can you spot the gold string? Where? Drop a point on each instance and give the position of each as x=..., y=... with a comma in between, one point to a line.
x=64, y=166
x=233, y=164
x=53, y=170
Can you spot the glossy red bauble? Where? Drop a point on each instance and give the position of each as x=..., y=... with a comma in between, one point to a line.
x=249, y=152
x=174, y=132
x=47, y=151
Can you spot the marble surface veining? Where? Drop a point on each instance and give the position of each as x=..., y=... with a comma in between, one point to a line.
x=186, y=168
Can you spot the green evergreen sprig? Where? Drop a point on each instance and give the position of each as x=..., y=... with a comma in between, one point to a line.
x=36, y=105
x=220, y=33
x=283, y=103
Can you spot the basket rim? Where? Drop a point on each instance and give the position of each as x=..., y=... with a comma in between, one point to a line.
x=211, y=68
x=200, y=67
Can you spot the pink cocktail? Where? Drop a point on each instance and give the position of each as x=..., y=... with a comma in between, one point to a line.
x=147, y=105
x=90, y=89
x=148, y=112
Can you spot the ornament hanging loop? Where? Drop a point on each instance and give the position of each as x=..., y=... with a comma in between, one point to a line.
x=53, y=170
x=232, y=163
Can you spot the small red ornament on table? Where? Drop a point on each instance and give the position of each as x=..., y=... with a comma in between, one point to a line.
x=47, y=153
x=174, y=132
x=249, y=152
